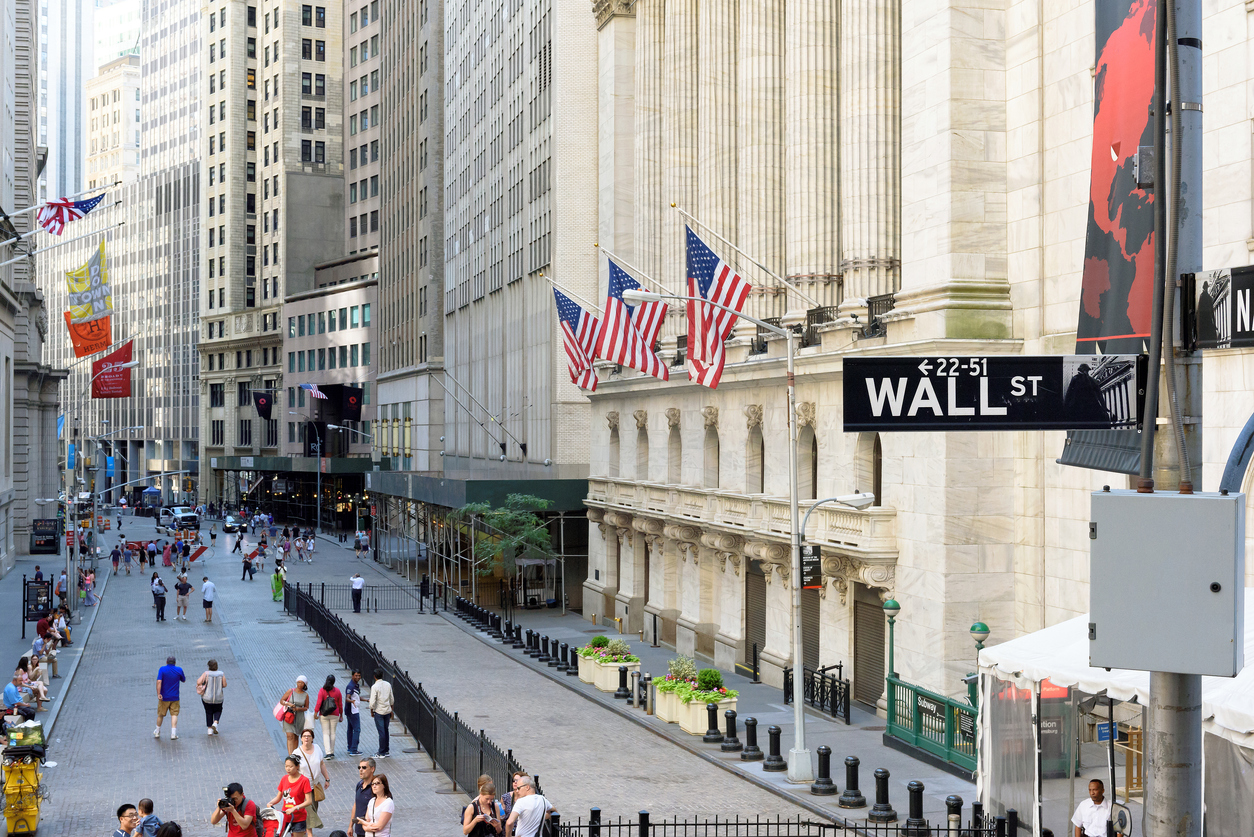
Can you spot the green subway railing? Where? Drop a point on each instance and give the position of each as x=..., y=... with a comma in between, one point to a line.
x=936, y=724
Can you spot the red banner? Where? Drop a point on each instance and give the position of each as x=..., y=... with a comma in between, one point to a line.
x=108, y=380
x=89, y=337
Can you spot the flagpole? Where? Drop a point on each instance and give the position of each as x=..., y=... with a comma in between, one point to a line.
x=53, y=246
x=637, y=271
x=496, y=421
x=571, y=294
x=790, y=286
x=66, y=198
x=469, y=412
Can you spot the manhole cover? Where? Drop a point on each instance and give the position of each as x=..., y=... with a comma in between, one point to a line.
x=875, y=729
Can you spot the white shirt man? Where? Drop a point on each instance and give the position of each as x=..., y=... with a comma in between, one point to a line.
x=530, y=809
x=1091, y=814
x=358, y=581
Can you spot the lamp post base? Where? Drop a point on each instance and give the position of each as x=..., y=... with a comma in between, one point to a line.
x=800, y=770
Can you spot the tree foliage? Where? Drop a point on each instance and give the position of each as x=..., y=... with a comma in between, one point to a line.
x=513, y=530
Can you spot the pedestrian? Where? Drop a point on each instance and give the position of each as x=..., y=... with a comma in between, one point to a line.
x=116, y=557
x=381, y=710
x=276, y=583
x=61, y=623
x=187, y=551
x=213, y=535
x=239, y=811
x=165, y=556
x=507, y=801
x=262, y=546
x=357, y=544
x=126, y=559
x=287, y=548
x=1091, y=815
x=39, y=574
x=89, y=589
x=158, y=593
x=152, y=582
x=313, y=767
x=300, y=549
x=352, y=712
x=128, y=821
x=209, y=686
x=148, y=821
x=43, y=657
x=168, y=680
x=309, y=548
x=297, y=700
x=294, y=798
x=239, y=540
x=365, y=543
x=379, y=811
x=358, y=584
x=13, y=703
x=207, y=593
x=152, y=553
x=249, y=572
x=38, y=690
x=62, y=588
x=182, y=593
x=363, y=793
x=287, y=533
x=483, y=817
x=530, y=810
x=329, y=710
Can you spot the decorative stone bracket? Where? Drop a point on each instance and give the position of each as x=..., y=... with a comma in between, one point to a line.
x=612, y=419
x=774, y=556
x=672, y=416
x=642, y=419
x=711, y=417
x=753, y=416
x=805, y=414
x=841, y=570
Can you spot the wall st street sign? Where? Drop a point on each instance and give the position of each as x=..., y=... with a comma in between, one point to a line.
x=997, y=392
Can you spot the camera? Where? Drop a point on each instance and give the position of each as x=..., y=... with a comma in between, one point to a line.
x=225, y=802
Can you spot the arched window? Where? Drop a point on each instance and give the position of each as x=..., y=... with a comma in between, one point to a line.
x=710, y=479
x=674, y=457
x=755, y=450
x=807, y=464
x=642, y=454
x=614, y=452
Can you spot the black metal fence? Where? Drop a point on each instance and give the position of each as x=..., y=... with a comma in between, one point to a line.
x=461, y=752
x=822, y=689
x=373, y=597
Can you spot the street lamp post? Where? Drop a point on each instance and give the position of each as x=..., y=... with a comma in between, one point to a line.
x=891, y=609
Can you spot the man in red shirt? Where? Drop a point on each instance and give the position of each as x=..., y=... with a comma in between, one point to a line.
x=240, y=813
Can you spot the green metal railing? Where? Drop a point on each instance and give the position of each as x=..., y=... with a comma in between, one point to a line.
x=934, y=723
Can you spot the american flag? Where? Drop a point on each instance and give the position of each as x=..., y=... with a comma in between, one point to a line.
x=55, y=214
x=627, y=332
x=580, y=331
x=711, y=278
x=314, y=392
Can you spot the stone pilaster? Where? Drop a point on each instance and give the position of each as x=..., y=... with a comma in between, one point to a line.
x=716, y=120
x=811, y=144
x=616, y=42
x=679, y=133
x=870, y=146
x=649, y=206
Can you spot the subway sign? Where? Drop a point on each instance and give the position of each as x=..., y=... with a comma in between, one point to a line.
x=995, y=392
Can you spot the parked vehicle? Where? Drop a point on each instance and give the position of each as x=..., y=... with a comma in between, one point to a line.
x=232, y=524
x=179, y=517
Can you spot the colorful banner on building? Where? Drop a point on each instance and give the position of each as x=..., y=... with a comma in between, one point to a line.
x=90, y=297
x=90, y=337
x=109, y=379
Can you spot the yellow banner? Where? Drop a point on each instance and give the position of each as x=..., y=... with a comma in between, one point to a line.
x=90, y=297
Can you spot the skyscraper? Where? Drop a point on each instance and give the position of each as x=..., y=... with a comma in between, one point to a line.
x=66, y=61
x=113, y=123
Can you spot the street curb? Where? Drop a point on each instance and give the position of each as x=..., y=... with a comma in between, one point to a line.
x=563, y=681
x=84, y=628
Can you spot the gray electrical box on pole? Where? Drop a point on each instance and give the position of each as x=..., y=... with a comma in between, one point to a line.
x=1167, y=582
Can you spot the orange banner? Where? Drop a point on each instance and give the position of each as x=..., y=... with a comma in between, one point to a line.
x=90, y=337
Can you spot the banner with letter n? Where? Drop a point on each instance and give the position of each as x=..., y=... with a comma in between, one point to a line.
x=1052, y=392
x=109, y=380
x=1219, y=308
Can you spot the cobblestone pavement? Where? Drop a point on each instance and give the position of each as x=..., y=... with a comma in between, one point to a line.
x=103, y=746
x=585, y=756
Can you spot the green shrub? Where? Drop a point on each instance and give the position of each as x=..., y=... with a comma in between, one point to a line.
x=599, y=641
x=617, y=648
x=709, y=679
x=682, y=668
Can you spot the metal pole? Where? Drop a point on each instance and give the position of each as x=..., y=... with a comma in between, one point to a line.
x=891, y=624
x=1173, y=803
x=318, y=494
x=799, y=767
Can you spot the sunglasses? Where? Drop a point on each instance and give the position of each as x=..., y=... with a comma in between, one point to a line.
x=363, y=767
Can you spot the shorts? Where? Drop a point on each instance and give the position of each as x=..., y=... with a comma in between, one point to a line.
x=206, y=603
x=298, y=827
x=164, y=706
x=181, y=601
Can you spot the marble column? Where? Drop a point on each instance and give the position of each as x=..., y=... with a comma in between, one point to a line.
x=870, y=147
x=616, y=42
x=760, y=156
x=649, y=204
x=716, y=118
x=679, y=133
x=811, y=145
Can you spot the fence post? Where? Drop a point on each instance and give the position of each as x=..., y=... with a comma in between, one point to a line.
x=774, y=761
x=712, y=734
x=953, y=813
x=883, y=811
x=752, y=751
x=823, y=785
x=594, y=823
x=1012, y=822
x=999, y=827
x=622, y=692
x=556, y=819
x=453, y=761
x=852, y=797
x=731, y=744
x=977, y=818
x=644, y=825
x=916, y=826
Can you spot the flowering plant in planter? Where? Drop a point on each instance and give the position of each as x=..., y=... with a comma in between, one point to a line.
x=612, y=652
x=681, y=671
x=594, y=647
x=706, y=688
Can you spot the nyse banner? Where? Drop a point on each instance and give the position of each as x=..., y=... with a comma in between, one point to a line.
x=1222, y=313
x=1054, y=392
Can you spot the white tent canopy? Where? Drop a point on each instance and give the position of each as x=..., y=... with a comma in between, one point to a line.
x=1060, y=654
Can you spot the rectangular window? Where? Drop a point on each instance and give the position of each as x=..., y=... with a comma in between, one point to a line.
x=300, y=323
x=320, y=84
x=352, y=227
x=300, y=402
x=311, y=358
x=252, y=79
x=352, y=158
x=245, y=432
x=311, y=324
x=306, y=119
x=331, y=358
x=291, y=425
x=352, y=355
x=343, y=318
x=252, y=48
x=251, y=110
x=374, y=220
x=352, y=57
x=352, y=197
x=322, y=322
x=250, y=203
x=352, y=319
x=306, y=151
x=272, y=432
x=306, y=84
x=300, y=362
x=212, y=51
x=320, y=17
x=365, y=315
x=306, y=15
x=352, y=91
x=352, y=130
x=306, y=48
x=218, y=432
x=291, y=363
x=251, y=173
x=291, y=326
x=320, y=152
x=331, y=320
x=322, y=359
x=374, y=151
x=320, y=50
x=211, y=145
x=291, y=391
x=217, y=395
x=343, y=356
x=365, y=354
x=252, y=16
x=320, y=117
x=250, y=266
x=250, y=234
x=352, y=22
x=243, y=393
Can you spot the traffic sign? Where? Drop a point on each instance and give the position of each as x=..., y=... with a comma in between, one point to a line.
x=811, y=567
x=997, y=392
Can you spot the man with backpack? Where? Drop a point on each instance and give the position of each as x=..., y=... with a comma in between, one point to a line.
x=530, y=810
x=239, y=811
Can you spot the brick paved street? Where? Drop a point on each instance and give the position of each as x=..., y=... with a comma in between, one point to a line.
x=103, y=744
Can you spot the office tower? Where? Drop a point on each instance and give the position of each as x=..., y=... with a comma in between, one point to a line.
x=66, y=62
x=113, y=123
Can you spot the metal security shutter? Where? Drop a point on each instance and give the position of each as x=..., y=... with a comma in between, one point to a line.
x=810, y=628
x=868, y=652
x=755, y=610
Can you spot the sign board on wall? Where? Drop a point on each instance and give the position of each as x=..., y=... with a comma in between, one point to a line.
x=1000, y=392
x=1219, y=308
x=811, y=566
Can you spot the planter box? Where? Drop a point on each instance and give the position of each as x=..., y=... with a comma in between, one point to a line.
x=694, y=718
x=667, y=707
x=587, y=670
x=607, y=675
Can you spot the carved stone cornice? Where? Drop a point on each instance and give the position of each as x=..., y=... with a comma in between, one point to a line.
x=612, y=419
x=605, y=10
x=753, y=416
x=642, y=419
x=648, y=525
x=710, y=414
x=724, y=557
x=773, y=556
x=722, y=541
x=621, y=520
x=672, y=416
x=882, y=576
x=597, y=516
x=682, y=534
x=805, y=414
x=627, y=535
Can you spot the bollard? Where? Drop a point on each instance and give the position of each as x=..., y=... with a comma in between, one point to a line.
x=646, y=686
x=594, y=823
x=953, y=813
x=572, y=665
x=509, y=632
x=533, y=643
x=916, y=826
x=555, y=659
x=883, y=811
x=518, y=638
x=562, y=655
x=635, y=690
x=712, y=735
x=622, y=692
x=852, y=797
x=978, y=824
x=756, y=679
x=752, y=751
x=774, y=761
x=1012, y=822
x=823, y=785
x=731, y=744
x=544, y=649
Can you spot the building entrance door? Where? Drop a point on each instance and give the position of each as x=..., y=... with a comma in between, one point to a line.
x=868, y=646
x=755, y=609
